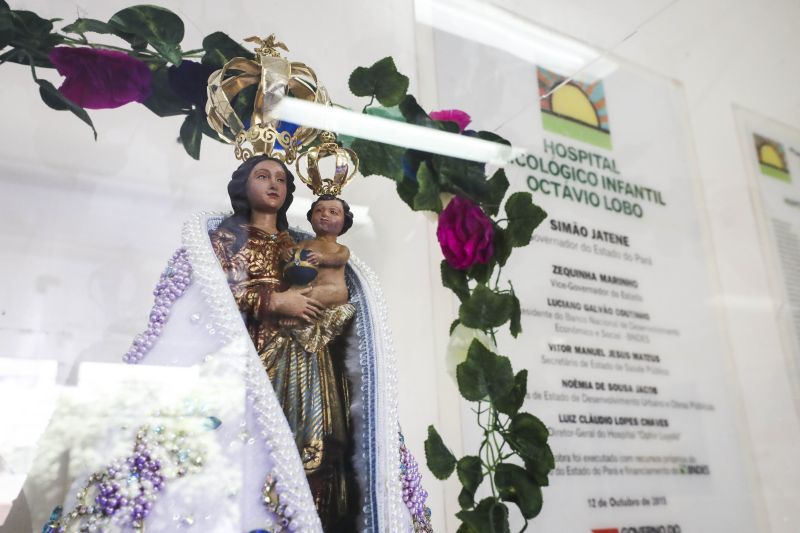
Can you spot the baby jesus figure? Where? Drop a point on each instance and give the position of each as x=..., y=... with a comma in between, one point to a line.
x=305, y=363
x=330, y=217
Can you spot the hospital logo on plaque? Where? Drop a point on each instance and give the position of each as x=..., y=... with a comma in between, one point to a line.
x=574, y=109
x=771, y=158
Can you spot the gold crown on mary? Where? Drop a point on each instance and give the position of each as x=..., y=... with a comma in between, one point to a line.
x=275, y=78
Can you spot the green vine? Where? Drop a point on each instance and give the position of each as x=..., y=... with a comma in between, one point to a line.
x=513, y=453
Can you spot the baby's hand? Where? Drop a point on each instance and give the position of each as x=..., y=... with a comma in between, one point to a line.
x=313, y=258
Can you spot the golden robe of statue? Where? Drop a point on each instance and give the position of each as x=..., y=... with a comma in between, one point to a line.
x=309, y=381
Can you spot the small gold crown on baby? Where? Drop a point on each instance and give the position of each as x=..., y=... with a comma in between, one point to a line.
x=275, y=77
x=346, y=165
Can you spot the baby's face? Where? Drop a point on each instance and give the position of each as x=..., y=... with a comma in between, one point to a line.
x=327, y=218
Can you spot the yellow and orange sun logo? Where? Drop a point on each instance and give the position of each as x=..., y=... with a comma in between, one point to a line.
x=573, y=108
x=771, y=158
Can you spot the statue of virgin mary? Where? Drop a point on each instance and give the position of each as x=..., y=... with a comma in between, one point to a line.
x=225, y=421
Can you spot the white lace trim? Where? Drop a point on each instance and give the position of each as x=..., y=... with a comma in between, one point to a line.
x=389, y=497
x=277, y=438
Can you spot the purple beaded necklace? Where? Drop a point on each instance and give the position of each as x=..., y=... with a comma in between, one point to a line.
x=414, y=496
x=171, y=286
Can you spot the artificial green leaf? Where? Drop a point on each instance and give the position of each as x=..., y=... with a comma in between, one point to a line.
x=24, y=57
x=414, y=114
x=523, y=217
x=455, y=280
x=439, y=458
x=192, y=133
x=379, y=159
x=361, y=82
x=511, y=402
x=411, y=161
x=427, y=197
x=516, y=315
x=483, y=374
x=499, y=375
x=162, y=100
x=466, y=499
x=515, y=485
x=541, y=467
x=470, y=472
x=56, y=100
x=6, y=27
x=486, y=309
x=447, y=126
x=381, y=80
x=490, y=516
x=502, y=245
x=137, y=43
x=460, y=176
x=529, y=428
x=481, y=272
x=220, y=49
x=152, y=23
x=391, y=86
x=527, y=436
x=52, y=100
x=496, y=189
x=476, y=520
x=31, y=37
x=159, y=26
x=472, y=383
x=407, y=190
x=29, y=25
x=82, y=26
x=499, y=518
x=492, y=137
x=35, y=50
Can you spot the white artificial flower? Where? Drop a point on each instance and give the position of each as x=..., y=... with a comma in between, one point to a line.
x=458, y=346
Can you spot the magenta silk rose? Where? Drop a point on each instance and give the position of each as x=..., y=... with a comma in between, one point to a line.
x=453, y=115
x=465, y=234
x=101, y=79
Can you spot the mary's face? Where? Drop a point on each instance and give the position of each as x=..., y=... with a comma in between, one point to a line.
x=266, y=186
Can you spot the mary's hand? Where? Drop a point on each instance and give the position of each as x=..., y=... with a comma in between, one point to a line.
x=287, y=254
x=295, y=303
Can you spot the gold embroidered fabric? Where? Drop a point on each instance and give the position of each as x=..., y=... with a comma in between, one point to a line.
x=304, y=364
x=307, y=376
x=253, y=272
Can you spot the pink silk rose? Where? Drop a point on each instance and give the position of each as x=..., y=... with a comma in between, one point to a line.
x=101, y=79
x=453, y=115
x=465, y=234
